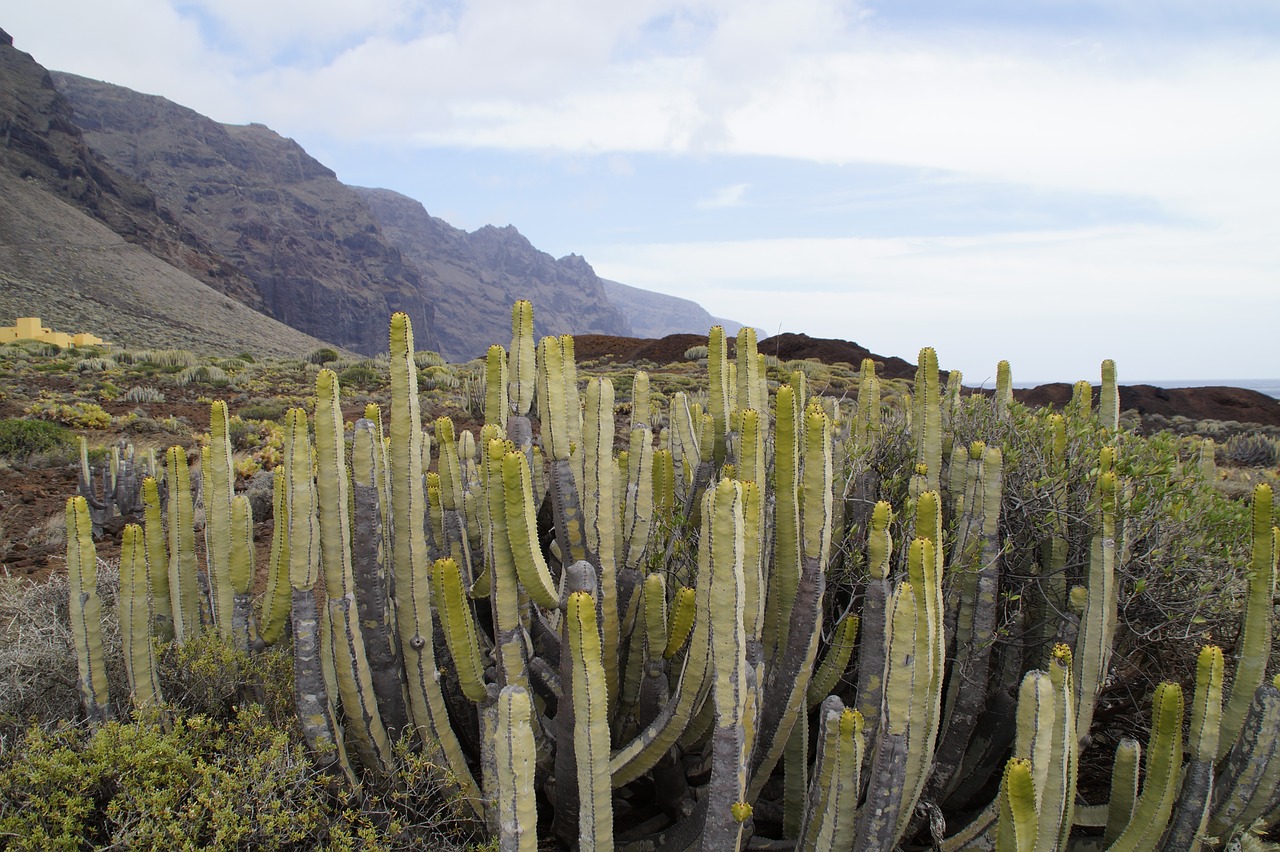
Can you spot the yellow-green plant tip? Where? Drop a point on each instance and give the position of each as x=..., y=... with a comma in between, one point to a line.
x=683, y=609
x=741, y=811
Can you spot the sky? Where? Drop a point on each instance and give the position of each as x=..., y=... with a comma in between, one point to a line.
x=1044, y=181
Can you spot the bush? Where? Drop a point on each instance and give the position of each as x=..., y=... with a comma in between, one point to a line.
x=323, y=355
x=78, y=415
x=143, y=393
x=21, y=439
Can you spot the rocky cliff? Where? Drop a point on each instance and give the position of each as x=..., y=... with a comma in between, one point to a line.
x=657, y=314
x=41, y=143
x=313, y=251
x=479, y=274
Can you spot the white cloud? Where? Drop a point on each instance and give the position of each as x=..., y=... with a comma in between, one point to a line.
x=725, y=196
x=1164, y=302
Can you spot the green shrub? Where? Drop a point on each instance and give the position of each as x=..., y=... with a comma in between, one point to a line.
x=78, y=415
x=359, y=375
x=323, y=355
x=272, y=409
x=21, y=439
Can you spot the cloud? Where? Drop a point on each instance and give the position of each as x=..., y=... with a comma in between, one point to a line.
x=725, y=196
x=1164, y=302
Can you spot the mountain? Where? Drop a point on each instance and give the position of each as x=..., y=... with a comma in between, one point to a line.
x=42, y=143
x=478, y=274
x=657, y=314
x=251, y=215
x=313, y=251
x=85, y=247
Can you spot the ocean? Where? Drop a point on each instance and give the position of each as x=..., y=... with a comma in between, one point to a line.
x=1270, y=387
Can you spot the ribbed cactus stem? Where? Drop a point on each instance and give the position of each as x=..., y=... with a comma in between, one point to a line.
x=183, y=586
x=833, y=792
x=719, y=403
x=875, y=608
x=136, y=621
x=515, y=758
x=1160, y=785
x=522, y=359
x=278, y=598
x=1018, y=826
x=1191, y=814
x=1124, y=788
x=1255, y=635
x=244, y=631
x=1109, y=398
x=351, y=661
x=731, y=690
x=157, y=561
x=1097, y=626
x=748, y=360
x=411, y=569
x=1004, y=389
x=590, y=724
x=784, y=574
x=927, y=418
x=496, y=387
x=372, y=585
x=218, y=491
x=86, y=611
x=641, y=404
x=459, y=631
x=1246, y=787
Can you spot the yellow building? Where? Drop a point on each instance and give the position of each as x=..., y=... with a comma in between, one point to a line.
x=29, y=328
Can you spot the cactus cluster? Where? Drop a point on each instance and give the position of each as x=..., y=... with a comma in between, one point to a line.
x=645, y=649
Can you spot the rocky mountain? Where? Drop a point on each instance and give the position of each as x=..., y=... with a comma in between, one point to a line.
x=657, y=314
x=43, y=145
x=312, y=250
x=478, y=274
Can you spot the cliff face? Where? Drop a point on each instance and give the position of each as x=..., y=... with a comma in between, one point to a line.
x=478, y=275
x=657, y=314
x=41, y=143
x=313, y=252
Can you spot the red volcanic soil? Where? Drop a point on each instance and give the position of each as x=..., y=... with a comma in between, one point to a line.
x=1212, y=403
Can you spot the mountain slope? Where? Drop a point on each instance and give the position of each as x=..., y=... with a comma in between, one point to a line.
x=42, y=143
x=313, y=251
x=479, y=274
x=657, y=314
x=76, y=274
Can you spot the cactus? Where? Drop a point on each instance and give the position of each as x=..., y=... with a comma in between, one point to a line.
x=1109, y=398
x=136, y=620
x=183, y=585
x=86, y=612
x=218, y=491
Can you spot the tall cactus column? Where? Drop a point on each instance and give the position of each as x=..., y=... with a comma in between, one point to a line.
x=86, y=611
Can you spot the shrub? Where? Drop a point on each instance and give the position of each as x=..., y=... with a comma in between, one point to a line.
x=204, y=374
x=272, y=409
x=323, y=355
x=78, y=415
x=359, y=375
x=21, y=439
x=143, y=393
x=1251, y=451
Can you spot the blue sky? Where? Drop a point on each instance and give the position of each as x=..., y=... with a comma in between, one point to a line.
x=1050, y=182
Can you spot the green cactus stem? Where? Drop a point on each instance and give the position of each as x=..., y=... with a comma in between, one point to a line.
x=515, y=758
x=1255, y=634
x=136, y=621
x=927, y=419
x=1246, y=787
x=1191, y=814
x=1097, y=626
x=157, y=561
x=355, y=682
x=244, y=631
x=218, y=491
x=86, y=612
x=588, y=728
x=1019, y=825
x=1124, y=788
x=316, y=709
x=1003, y=398
x=278, y=599
x=411, y=570
x=836, y=661
x=833, y=792
x=878, y=816
x=733, y=689
x=183, y=585
x=1160, y=785
x=1109, y=398
x=496, y=386
x=874, y=610
x=459, y=631
x=719, y=390
x=373, y=599
x=522, y=359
